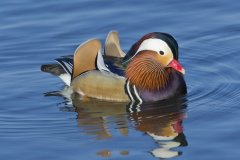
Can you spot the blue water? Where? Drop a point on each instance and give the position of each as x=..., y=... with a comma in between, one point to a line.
x=36, y=126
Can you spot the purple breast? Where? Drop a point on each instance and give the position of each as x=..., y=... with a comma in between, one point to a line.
x=176, y=87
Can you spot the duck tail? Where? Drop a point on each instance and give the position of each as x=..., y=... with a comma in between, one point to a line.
x=66, y=62
x=57, y=70
x=53, y=68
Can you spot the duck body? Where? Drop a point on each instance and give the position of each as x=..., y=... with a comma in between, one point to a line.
x=111, y=86
x=141, y=75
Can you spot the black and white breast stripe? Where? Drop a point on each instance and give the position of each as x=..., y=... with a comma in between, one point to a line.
x=132, y=92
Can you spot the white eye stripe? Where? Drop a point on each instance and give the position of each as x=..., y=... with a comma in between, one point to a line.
x=153, y=45
x=156, y=45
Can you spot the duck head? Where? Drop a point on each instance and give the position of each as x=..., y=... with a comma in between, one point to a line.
x=150, y=61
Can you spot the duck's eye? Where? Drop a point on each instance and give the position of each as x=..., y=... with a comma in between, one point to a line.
x=161, y=52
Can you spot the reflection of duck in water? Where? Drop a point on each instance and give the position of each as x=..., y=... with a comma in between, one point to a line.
x=93, y=117
x=162, y=121
x=149, y=72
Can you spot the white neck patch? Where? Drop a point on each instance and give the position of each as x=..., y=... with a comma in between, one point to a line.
x=154, y=45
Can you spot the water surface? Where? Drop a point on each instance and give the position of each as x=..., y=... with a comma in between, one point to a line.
x=204, y=125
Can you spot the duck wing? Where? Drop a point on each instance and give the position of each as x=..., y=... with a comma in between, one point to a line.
x=112, y=45
x=114, y=64
x=92, y=78
x=88, y=57
x=85, y=61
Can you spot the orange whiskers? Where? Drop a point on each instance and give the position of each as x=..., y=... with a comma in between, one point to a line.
x=145, y=72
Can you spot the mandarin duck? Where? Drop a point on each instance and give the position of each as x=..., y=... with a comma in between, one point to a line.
x=150, y=71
